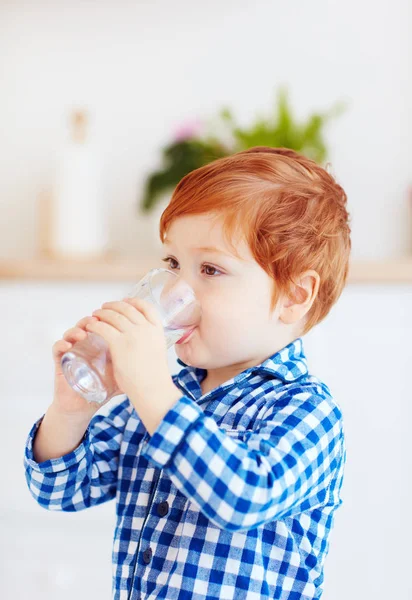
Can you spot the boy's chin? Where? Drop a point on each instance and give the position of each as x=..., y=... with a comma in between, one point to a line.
x=187, y=351
x=184, y=350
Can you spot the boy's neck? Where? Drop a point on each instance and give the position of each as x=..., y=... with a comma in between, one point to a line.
x=215, y=378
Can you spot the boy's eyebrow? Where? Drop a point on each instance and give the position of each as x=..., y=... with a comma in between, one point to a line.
x=207, y=249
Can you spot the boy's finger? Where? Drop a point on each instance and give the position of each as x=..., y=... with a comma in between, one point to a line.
x=80, y=326
x=86, y=320
x=147, y=309
x=60, y=347
x=74, y=334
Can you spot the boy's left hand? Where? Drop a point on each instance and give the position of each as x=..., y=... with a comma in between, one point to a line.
x=134, y=333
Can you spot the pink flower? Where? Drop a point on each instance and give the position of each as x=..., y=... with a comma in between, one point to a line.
x=188, y=130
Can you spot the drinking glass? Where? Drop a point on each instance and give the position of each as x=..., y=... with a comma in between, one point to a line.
x=88, y=367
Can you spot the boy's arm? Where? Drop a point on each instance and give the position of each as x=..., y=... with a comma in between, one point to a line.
x=283, y=467
x=86, y=475
x=58, y=434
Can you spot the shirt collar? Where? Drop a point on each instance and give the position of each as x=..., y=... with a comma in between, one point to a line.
x=287, y=364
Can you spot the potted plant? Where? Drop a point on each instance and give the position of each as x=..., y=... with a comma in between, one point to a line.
x=196, y=144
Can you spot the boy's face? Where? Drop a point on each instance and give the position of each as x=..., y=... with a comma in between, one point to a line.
x=235, y=330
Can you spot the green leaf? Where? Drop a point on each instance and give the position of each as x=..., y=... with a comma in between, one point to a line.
x=184, y=156
x=180, y=158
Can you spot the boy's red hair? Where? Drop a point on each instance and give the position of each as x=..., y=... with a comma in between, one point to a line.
x=290, y=210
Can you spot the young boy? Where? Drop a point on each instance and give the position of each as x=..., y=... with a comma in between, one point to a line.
x=227, y=475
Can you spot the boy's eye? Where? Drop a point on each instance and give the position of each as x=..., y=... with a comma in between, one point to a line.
x=208, y=268
x=169, y=259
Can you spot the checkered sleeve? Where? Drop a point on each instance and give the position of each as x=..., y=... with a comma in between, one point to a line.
x=282, y=467
x=86, y=476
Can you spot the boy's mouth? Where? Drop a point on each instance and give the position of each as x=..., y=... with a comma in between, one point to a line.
x=186, y=335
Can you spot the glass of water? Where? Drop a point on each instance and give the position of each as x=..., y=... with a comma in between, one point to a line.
x=87, y=366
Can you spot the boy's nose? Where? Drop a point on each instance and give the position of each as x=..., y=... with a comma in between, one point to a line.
x=184, y=288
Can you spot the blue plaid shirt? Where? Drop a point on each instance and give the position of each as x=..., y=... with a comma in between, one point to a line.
x=232, y=497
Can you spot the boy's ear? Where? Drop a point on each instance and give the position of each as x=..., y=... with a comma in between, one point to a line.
x=306, y=289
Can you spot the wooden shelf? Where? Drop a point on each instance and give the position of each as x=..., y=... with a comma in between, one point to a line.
x=118, y=268
x=49, y=269
x=383, y=271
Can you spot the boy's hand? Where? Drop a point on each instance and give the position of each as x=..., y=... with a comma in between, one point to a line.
x=134, y=333
x=66, y=401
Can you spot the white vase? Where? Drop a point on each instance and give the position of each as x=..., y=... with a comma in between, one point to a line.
x=80, y=227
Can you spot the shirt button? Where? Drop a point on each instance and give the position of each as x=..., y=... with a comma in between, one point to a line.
x=162, y=509
x=147, y=555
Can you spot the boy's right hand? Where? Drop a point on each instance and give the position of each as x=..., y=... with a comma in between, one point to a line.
x=66, y=400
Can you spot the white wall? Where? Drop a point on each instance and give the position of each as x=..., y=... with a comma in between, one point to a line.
x=143, y=67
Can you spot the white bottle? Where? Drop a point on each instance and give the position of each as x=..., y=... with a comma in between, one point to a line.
x=80, y=216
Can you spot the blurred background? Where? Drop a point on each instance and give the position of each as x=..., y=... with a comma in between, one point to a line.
x=104, y=106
